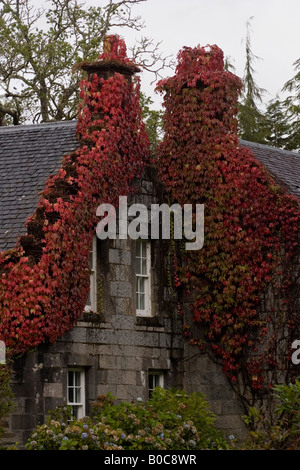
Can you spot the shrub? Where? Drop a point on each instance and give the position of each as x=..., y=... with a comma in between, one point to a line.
x=170, y=420
x=284, y=434
x=6, y=395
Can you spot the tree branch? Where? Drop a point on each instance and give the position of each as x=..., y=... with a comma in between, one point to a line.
x=15, y=114
x=147, y=54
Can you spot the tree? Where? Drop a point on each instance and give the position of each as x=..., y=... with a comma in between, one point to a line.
x=277, y=125
x=251, y=119
x=154, y=122
x=40, y=47
x=292, y=108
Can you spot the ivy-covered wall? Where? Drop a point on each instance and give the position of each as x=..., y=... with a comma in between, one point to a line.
x=117, y=349
x=114, y=347
x=44, y=281
x=251, y=229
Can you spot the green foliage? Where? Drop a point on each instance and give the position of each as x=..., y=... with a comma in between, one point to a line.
x=153, y=121
x=39, y=47
x=252, y=124
x=284, y=434
x=170, y=420
x=277, y=125
x=6, y=395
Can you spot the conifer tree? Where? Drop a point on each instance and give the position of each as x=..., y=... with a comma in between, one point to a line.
x=292, y=108
x=277, y=127
x=251, y=119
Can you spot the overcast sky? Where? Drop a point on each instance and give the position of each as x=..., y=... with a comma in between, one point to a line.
x=275, y=33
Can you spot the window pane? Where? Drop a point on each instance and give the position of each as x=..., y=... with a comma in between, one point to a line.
x=142, y=302
x=77, y=395
x=75, y=412
x=151, y=382
x=144, y=249
x=140, y=297
x=141, y=281
x=144, y=266
x=70, y=378
x=77, y=378
x=138, y=265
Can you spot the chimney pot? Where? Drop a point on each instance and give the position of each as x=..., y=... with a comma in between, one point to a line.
x=108, y=65
x=107, y=45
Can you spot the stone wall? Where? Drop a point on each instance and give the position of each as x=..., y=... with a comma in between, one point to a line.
x=202, y=374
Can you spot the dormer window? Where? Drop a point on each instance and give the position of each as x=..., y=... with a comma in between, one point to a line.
x=143, y=278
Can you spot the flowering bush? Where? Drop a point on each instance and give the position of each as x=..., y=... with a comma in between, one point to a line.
x=170, y=420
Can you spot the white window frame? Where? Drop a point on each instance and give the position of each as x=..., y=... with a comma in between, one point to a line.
x=2, y=353
x=91, y=305
x=143, y=280
x=76, y=402
x=155, y=379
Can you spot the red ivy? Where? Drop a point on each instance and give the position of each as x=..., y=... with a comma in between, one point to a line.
x=251, y=224
x=249, y=219
x=45, y=279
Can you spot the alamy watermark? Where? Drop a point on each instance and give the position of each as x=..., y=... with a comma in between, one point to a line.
x=137, y=221
x=296, y=353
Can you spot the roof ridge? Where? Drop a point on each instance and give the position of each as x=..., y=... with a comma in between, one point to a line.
x=53, y=124
x=248, y=143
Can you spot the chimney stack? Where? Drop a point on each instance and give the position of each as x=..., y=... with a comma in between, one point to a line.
x=112, y=60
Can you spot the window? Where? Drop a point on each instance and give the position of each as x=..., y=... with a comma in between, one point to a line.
x=143, y=284
x=91, y=303
x=2, y=353
x=155, y=379
x=76, y=392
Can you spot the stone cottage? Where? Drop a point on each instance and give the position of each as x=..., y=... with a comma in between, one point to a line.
x=128, y=339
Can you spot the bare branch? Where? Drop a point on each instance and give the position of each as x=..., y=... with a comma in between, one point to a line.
x=147, y=54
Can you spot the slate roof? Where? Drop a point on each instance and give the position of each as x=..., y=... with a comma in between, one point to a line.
x=284, y=165
x=29, y=154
